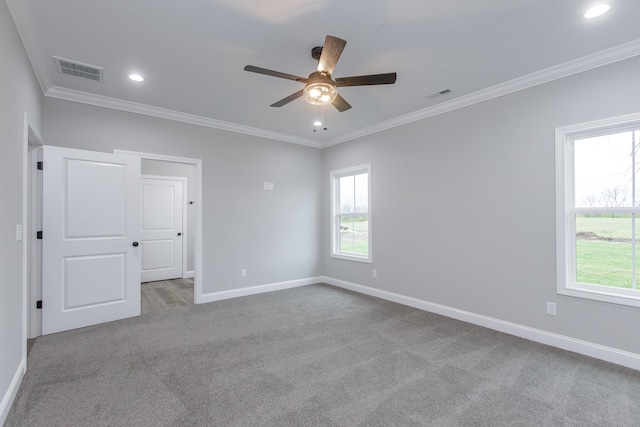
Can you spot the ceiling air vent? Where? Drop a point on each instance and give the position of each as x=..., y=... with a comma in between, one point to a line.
x=439, y=93
x=78, y=69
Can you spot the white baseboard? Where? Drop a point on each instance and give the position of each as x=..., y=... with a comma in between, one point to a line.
x=189, y=274
x=10, y=395
x=253, y=290
x=609, y=354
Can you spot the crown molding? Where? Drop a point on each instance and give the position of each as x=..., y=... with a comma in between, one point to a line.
x=589, y=62
x=134, y=107
x=19, y=10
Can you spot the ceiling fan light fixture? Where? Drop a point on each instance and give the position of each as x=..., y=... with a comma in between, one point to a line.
x=320, y=93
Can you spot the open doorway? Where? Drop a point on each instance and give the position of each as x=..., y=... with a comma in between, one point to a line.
x=167, y=234
x=162, y=284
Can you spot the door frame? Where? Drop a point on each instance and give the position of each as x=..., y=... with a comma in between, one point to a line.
x=31, y=270
x=185, y=201
x=198, y=278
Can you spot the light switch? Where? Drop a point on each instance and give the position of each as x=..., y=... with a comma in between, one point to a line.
x=19, y=232
x=268, y=186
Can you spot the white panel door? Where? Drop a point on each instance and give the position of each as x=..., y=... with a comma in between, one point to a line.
x=91, y=230
x=161, y=232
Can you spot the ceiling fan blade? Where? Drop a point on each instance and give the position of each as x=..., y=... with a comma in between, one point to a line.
x=341, y=104
x=373, y=79
x=259, y=70
x=331, y=52
x=288, y=99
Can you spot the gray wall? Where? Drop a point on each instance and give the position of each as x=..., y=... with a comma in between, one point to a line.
x=274, y=235
x=19, y=93
x=463, y=206
x=162, y=168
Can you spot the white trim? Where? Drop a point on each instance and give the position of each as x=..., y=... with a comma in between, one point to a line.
x=26, y=233
x=608, y=354
x=198, y=278
x=163, y=113
x=586, y=63
x=12, y=391
x=189, y=274
x=259, y=289
x=351, y=257
x=597, y=125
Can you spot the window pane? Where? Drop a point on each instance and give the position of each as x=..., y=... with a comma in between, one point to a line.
x=604, y=250
x=354, y=234
x=362, y=193
x=603, y=171
x=346, y=194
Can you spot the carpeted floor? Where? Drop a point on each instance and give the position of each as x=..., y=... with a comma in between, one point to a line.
x=313, y=356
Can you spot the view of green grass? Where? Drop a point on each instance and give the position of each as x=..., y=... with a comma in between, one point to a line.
x=604, y=250
x=354, y=235
x=604, y=263
x=604, y=226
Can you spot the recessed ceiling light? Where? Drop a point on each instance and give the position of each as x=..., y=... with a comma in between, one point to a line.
x=317, y=123
x=596, y=11
x=136, y=77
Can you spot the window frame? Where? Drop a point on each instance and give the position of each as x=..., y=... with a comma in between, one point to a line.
x=567, y=284
x=334, y=177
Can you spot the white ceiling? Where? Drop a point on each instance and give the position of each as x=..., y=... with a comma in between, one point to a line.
x=192, y=54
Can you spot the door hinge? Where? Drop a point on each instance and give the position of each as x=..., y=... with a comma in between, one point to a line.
x=40, y=166
x=39, y=235
x=39, y=304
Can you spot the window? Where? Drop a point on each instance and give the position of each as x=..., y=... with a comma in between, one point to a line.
x=351, y=213
x=598, y=210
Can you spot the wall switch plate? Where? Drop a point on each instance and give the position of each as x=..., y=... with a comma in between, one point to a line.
x=19, y=232
x=243, y=273
x=375, y=273
x=268, y=186
x=551, y=308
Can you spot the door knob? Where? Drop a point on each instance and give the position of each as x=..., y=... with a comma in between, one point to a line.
x=179, y=234
x=135, y=244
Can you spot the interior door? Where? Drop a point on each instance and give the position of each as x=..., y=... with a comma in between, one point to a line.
x=91, y=229
x=161, y=234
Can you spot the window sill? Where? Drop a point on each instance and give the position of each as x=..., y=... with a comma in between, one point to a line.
x=597, y=294
x=352, y=258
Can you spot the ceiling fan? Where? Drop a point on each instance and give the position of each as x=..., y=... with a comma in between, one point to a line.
x=320, y=86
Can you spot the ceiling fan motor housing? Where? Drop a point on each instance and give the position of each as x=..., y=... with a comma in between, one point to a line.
x=316, y=52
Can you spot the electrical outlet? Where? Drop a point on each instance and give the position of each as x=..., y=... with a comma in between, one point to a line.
x=375, y=273
x=551, y=308
x=243, y=273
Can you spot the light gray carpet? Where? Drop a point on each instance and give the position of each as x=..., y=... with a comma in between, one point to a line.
x=313, y=356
